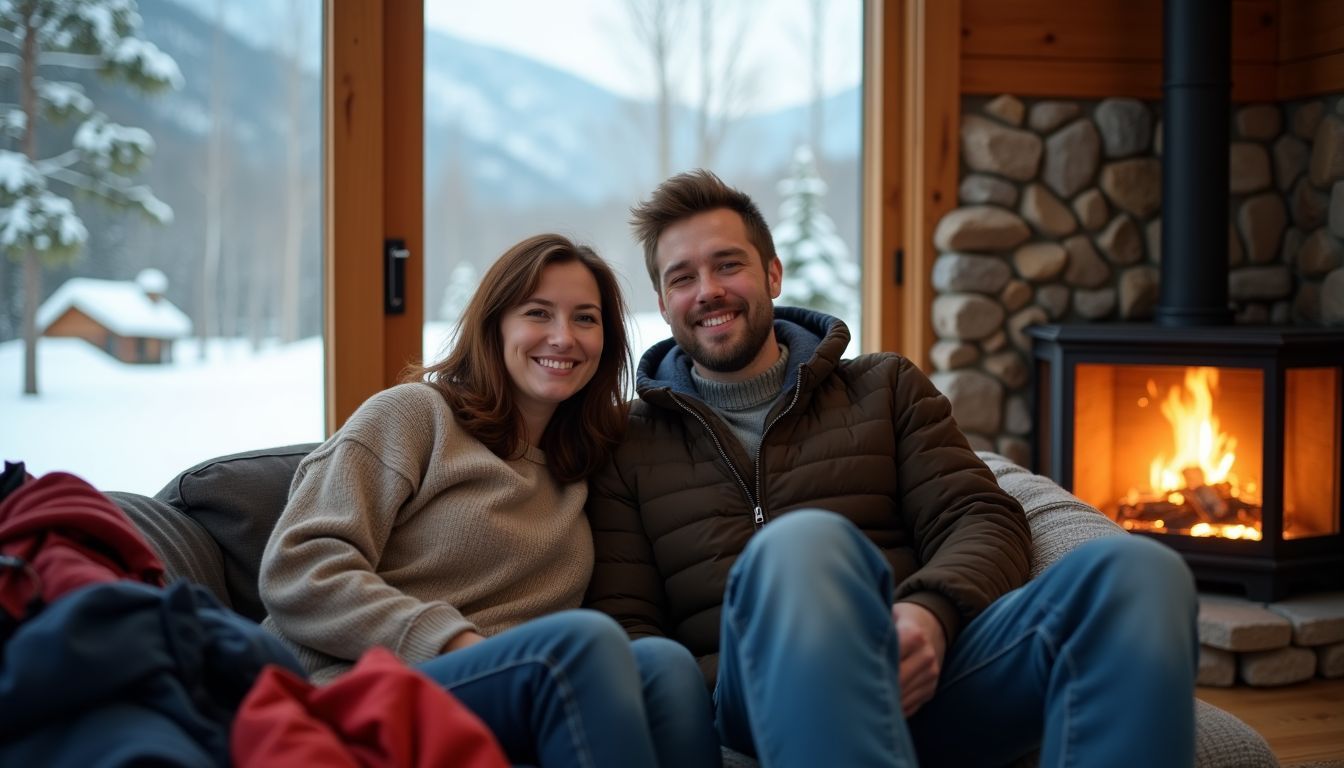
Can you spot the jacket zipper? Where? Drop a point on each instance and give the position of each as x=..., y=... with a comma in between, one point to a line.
x=746, y=490
x=797, y=390
x=758, y=514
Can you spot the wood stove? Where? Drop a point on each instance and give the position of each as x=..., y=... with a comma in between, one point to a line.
x=1221, y=441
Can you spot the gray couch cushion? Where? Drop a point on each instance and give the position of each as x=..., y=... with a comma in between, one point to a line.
x=1059, y=521
x=186, y=549
x=237, y=499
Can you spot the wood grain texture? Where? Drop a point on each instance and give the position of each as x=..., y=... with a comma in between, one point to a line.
x=931, y=119
x=1100, y=48
x=882, y=141
x=403, y=174
x=352, y=205
x=1100, y=30
x=1310, y=28
x=1303, y=723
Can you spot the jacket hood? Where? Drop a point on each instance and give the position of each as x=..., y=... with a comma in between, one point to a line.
x=814, y=339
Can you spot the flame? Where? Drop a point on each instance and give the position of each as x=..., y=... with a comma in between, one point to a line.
x=1204, y=456
x=1200, y=443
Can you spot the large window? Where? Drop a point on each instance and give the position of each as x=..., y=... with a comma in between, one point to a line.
x=165, y=242
x=543, y=116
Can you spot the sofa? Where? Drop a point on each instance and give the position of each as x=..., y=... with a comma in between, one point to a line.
x=210, y=525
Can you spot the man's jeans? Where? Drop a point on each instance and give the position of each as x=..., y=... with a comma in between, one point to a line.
x=570, y=689
x=1093, y=662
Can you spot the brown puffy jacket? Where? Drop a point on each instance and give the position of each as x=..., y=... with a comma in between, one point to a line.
x=869, y=438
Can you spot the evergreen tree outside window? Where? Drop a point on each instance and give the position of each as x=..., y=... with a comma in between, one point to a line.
x=819, y=272
x=40, y=38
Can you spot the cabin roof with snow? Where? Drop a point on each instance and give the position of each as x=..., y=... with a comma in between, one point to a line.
x=124, y=307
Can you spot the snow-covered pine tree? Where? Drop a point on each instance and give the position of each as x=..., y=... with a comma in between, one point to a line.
x=818, y=270
x=37, y=225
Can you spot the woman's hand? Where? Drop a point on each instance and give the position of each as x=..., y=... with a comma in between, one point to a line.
x=462, y=641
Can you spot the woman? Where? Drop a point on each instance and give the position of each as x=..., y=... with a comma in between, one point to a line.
x=445, y=521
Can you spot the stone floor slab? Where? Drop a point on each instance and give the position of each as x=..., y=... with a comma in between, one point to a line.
x=1283, y=666
x=1317, y=619
x=1330, y=660
x=1216, y=667
x=1235, y=624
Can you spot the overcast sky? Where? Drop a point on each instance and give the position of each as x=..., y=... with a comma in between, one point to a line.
x=592, y=39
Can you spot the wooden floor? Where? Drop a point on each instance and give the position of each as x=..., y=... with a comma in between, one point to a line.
x=1303, y=723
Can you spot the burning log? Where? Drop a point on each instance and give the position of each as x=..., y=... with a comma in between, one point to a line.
x=1213, y=507
x=1208, y=503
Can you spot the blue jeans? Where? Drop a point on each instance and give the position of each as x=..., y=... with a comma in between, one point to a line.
x=570, y=689
x=1093, y=662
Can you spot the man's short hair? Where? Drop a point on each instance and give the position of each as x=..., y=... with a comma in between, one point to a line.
x=686, y=195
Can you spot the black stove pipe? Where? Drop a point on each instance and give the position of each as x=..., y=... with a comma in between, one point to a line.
x=1197, y=87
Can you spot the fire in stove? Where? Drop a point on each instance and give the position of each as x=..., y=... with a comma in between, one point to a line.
x=1195, y=489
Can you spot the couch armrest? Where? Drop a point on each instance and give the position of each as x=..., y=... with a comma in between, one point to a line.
x=187, y=551
x=1059, y=521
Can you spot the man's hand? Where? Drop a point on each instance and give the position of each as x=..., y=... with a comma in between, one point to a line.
x=923, y=645
x=463, y=640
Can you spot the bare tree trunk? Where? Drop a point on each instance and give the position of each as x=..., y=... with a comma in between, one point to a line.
x=32, y=292
x=662, y=50
x=725, y=85
x=817, y=112
x=257, y=290
x=32, y=267
x=704, y=150
x=214, y=190
x=654, y=23
x=293, y=216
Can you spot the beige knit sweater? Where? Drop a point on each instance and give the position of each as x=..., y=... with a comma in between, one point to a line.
x=403, y=530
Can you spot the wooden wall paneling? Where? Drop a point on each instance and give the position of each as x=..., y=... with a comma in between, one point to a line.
x=1311, y=77
x=1311, y=48
x=368, y=120
x=1101, y=48
x=1107, y=30
x=990, y=76
x=1309, y=28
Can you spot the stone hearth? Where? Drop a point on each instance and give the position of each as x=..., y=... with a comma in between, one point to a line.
x=1270, y=644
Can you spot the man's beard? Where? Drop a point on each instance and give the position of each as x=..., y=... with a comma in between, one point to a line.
x=733, y=357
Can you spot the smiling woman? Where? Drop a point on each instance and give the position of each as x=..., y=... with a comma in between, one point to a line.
x=552, y=343
x=444, y=521
x=541, y=356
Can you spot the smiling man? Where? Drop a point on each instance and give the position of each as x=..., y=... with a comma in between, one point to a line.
x=845, y=568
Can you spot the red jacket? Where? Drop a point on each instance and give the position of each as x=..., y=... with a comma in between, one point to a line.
x=67, y=534
x=380, y=713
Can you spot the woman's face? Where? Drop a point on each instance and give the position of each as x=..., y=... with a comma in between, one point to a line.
x=552, y=342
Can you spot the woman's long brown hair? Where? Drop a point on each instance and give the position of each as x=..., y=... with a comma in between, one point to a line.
x=472, y=378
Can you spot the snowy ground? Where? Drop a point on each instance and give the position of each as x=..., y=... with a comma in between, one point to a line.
x=133, y=428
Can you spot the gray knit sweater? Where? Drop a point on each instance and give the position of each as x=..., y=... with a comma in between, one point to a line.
x=403, y=530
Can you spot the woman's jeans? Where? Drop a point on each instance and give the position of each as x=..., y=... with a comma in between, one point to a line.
x=570, y=689
x=1093, y=662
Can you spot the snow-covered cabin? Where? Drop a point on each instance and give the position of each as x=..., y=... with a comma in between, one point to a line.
x=128, y=319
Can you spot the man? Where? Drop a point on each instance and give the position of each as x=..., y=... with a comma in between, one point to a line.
x=894, y=627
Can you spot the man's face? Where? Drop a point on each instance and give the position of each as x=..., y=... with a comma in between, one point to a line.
x=717, y=296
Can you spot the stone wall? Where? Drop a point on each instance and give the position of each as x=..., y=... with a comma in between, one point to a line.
x=1059, y=220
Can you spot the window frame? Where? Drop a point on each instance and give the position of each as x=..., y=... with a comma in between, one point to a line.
x=373, y=180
